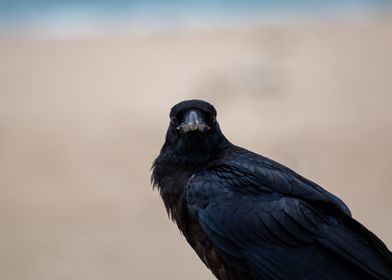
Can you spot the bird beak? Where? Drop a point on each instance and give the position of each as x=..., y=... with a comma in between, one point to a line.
x=193, y=122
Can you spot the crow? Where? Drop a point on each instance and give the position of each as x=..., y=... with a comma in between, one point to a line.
x=249, y=217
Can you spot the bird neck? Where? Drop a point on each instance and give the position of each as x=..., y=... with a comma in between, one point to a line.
x=194, y=152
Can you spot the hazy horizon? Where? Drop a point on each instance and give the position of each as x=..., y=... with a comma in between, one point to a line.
x=82, y=18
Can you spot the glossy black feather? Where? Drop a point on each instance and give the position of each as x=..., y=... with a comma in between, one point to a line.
x=248, y=217
x=253, y=208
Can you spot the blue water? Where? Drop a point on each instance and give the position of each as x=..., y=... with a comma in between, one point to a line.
x=83, y=17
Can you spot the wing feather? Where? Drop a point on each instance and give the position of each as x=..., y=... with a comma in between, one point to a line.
x=274, y=225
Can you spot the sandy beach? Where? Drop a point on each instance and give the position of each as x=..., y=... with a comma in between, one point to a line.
x=82, y=120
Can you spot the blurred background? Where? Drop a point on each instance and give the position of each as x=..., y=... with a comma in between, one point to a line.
x=86, y=88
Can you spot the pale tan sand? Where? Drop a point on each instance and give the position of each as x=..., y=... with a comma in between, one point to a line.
x=81, y=121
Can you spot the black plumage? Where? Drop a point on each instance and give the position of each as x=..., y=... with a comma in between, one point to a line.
x=248, y=217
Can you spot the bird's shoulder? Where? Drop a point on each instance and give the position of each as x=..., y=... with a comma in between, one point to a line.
x=238, y=170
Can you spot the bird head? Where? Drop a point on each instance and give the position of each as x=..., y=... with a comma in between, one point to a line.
x=194, y=133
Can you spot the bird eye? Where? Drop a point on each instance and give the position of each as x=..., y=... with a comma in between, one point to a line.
x=174, y=120
x=213, y=119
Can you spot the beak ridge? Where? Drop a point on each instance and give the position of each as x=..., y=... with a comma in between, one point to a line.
x=193, y=122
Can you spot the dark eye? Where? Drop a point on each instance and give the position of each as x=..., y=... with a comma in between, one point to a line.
x=174, y=120
x=213, y=119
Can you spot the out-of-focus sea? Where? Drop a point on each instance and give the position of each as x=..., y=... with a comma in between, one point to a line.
x=80, y=18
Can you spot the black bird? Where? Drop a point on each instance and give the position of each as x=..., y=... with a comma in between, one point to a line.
x=249, y=217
